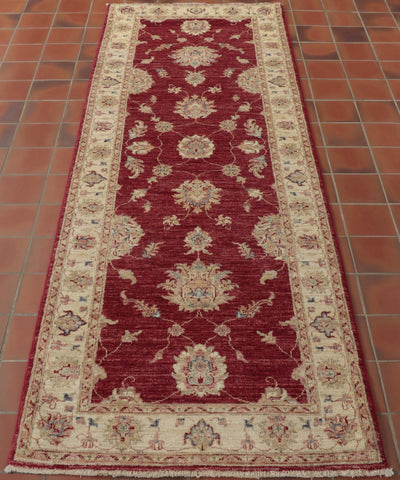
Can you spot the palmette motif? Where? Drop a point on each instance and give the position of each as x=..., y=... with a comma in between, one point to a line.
x=177, y=314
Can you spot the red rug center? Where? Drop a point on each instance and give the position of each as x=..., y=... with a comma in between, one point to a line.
x=196, y=176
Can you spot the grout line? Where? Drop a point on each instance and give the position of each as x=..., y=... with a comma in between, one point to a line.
x=25, y=360
x=23, y=314
x=386, y=360
x=27, y=273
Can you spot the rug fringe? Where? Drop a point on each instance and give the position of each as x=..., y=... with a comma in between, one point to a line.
x=384, y=472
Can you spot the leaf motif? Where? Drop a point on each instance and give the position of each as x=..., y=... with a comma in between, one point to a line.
x=245, y=107
x=138, y=194
x=162, y=72
x=151, y=250
x=242, y=60
x=256, y=165
x=147, y=310
x=129, y=337
x=171, y=221
x=164, y=46
x=250, y=310
x=104, y=321
x=268, y=337
x=173, y=89
x=268, y=275
x=146, y=61
x=252, y=129
x=255, y=193
x=151, y=180
x=134, y=165
x=247, y=206
x=157, y=356
x=254, y=307
x=141, y=148
x=144, y=108
x=292, y=323
x=138, y=130
x=127, y=275
x=125, y=300
x=215, y=89
x=239, y=356
x=147, y=206
x=224, y=221
x=228, y=72
x=244, y=250
x=250, y=146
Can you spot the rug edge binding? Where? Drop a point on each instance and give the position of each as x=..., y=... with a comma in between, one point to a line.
x=383, y=472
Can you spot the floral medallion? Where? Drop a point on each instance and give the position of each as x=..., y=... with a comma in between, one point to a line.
x=197, y=195
x=124, y=431
x=198, y=56
x=195, y=78
x=162, y=170
x=231, y=170
x=197, y=241
x=195, y=107
x=163, y=127
x=341, y=429
x=198, y=286
x=56, y=427
x=228, y=125
x=195, y=27
x=196, y=146
x=277, y=432
x=202, y=435
x=200, y=371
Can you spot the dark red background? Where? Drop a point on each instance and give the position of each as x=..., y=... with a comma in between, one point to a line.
x=154, y=381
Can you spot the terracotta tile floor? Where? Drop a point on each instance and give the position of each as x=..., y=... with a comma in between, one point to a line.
x=348, y=55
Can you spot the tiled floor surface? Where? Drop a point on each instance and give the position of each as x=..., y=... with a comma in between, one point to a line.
x=348, y=55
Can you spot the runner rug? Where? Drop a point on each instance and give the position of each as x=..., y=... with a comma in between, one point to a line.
x=195, y=321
